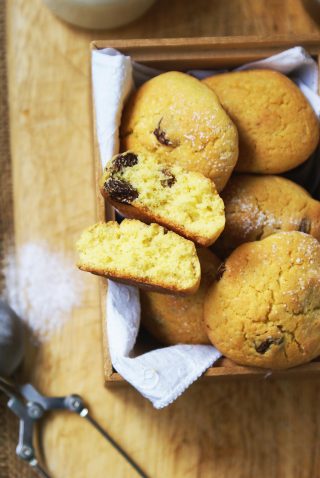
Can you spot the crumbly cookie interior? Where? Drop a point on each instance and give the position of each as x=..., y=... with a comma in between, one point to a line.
x=135, y=249
x=182, y=197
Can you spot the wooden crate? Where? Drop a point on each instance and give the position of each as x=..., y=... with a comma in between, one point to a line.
x=199, y=53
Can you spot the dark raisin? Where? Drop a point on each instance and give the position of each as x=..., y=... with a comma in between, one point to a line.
x=122, y=161
x=160, y=134
x=305, y=225
x=266, y=344
x=170, y=179
x=121, y=191
x=220, y=271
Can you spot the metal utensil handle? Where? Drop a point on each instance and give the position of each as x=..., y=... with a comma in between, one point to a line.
x=115, y=444
x=73, y=403
x=41, y=472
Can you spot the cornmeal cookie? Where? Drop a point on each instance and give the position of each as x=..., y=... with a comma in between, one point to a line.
x=183, y=201
x=180, y=120
x=277, y=127
x=258, y=206
x=134, y=253
x=264, y=307
x=173, y=319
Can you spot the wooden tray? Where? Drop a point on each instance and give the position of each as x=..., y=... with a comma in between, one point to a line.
x=183, y=54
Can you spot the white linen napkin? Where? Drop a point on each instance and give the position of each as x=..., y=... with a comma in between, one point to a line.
x=161, y=375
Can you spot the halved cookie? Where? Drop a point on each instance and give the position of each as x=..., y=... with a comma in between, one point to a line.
x=183, y=201
x=135, y=253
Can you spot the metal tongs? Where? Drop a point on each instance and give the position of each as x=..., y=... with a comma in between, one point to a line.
x=30, y=406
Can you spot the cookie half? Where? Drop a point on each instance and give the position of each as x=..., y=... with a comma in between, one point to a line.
x=183, y=201
x=135, y=253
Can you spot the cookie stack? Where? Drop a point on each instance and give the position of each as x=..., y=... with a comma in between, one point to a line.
x=198, y=170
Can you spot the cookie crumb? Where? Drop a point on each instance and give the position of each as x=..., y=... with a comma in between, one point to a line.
x=169, y=181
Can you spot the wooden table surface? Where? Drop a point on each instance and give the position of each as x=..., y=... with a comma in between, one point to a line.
x=216, y=429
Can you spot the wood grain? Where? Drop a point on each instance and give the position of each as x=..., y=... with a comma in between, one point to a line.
x=219, y=430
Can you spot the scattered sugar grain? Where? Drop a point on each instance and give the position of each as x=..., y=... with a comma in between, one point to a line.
x=42, y=287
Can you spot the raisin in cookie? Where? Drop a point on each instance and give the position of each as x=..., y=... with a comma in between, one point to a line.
x=264, y=308
x=183, y=201
x=278, y=129
x=181, y=121
x=134, y=253
x=258, y=206
x=173, y=320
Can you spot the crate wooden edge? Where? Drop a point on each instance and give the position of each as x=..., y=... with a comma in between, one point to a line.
x=233, y=371
x=226, y=51
x=100, y=215
x=220, y=42
x=225, y=368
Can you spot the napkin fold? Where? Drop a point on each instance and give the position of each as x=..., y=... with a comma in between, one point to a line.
x=163, y=374
x=160, y=375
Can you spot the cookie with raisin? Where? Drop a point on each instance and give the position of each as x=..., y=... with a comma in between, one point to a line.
x=181, y=121
x=186, y=202
x=264, y=310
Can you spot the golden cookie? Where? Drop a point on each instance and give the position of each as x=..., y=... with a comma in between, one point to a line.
x=183, y=201
x=181, y=121
x=173, y=320
x=137, y=254
x=264, y=308
x=278, y=129
x=258, y=206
